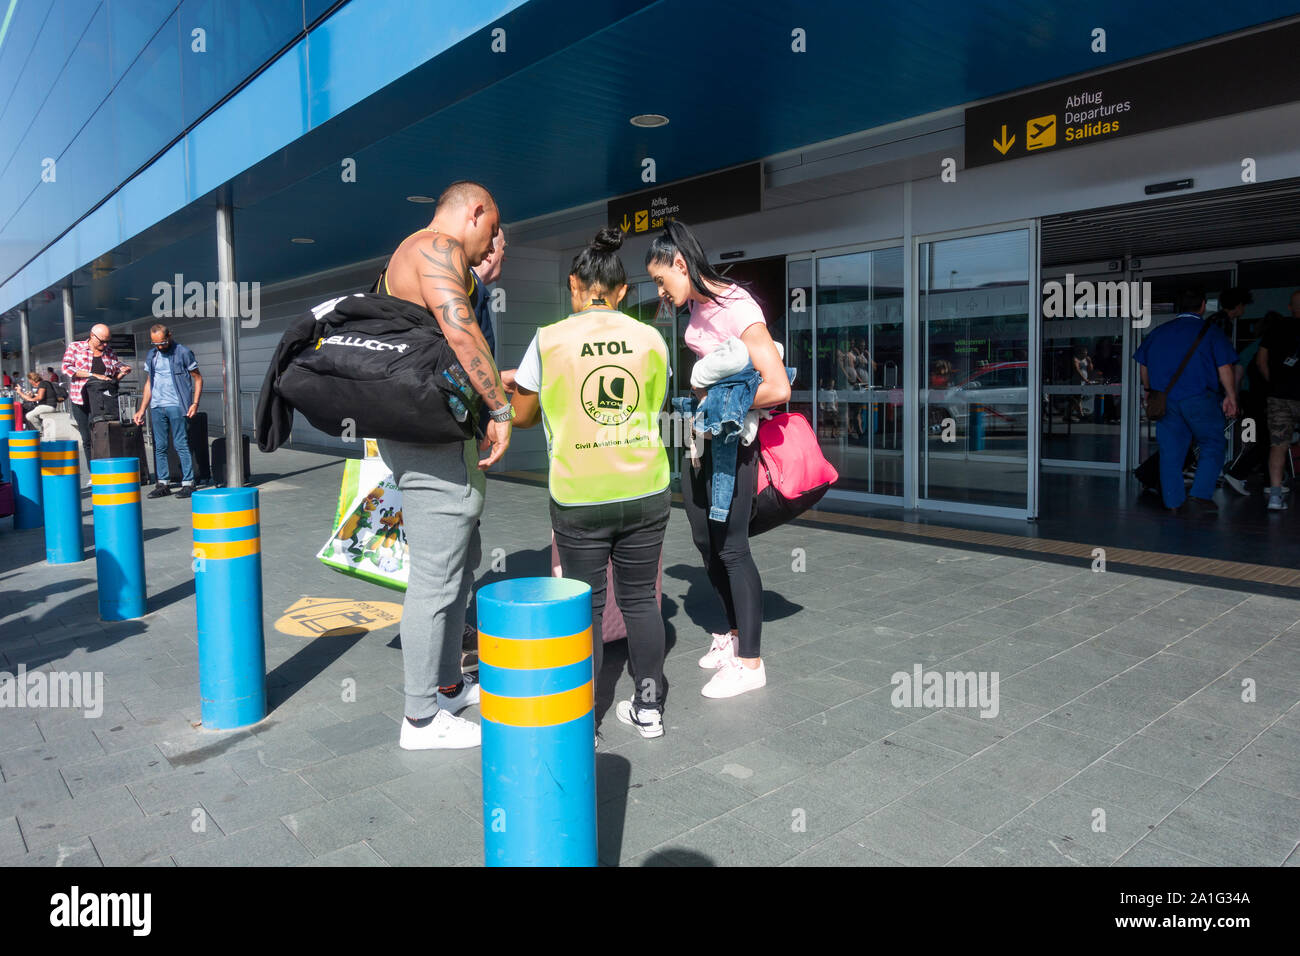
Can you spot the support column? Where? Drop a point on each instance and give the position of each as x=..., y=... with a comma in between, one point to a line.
x=25, y=332
x=227, y=310
x=69, y=332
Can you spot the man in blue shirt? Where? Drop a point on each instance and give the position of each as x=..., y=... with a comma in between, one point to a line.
x=171, y=393
x=1193, y=408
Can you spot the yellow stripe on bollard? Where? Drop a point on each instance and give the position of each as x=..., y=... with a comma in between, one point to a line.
x=222, y=550
x=72, y=470
x=513, y=654
x=22, y=454
x=225, y=519
x=124, y=498
x=116, y=478
x=537, y=711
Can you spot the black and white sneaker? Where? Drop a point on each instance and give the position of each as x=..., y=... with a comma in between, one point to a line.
x=647, y=721
x=160, y=491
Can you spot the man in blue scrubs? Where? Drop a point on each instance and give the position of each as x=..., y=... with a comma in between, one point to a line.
x=1194, y=410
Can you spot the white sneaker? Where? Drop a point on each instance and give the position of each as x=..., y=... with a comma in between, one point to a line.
x=445, y=732
x=1236, y=484
x=647, y=721
x=468, y=696
x=722, y=649
x=735, y=678
x=1276, y=502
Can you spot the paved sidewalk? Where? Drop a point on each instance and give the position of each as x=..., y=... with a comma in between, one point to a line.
x=1140, y=721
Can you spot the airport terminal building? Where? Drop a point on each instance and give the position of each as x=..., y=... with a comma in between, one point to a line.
x=897, y=185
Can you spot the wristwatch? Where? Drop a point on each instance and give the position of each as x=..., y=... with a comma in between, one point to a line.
x=506, y=413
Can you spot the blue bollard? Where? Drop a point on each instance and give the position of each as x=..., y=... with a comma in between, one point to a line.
x=977, y=428
x=61, y=491
x=6, y=426
x=25, y=471
x=538, y=721
x=228, y=592
x=119, y=537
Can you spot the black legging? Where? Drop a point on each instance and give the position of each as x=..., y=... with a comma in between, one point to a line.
x=81, y=419
x=725, y=546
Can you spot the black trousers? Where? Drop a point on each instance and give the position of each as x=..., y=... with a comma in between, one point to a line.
x=632, y=534
x=724, y=546
x=81, y=419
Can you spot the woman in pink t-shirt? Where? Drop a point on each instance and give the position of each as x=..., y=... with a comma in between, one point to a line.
x=720, y=310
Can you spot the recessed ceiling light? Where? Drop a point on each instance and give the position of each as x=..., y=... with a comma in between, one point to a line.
x=649, y=120
x=302, y=240
x=101, y=308
x=420, y=199
x=131, y=298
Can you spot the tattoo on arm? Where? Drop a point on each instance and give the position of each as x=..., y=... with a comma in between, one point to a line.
x=444, y=277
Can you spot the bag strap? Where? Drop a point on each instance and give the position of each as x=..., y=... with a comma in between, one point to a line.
x=1196, y=343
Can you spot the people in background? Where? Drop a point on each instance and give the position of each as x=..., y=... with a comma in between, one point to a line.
x=38, y=402
x=1278, y=362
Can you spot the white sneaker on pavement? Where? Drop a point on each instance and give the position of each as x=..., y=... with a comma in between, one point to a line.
x=647, y=721
x=722, y=649
x=445, y=732
x=468, y=695
x=735, y=678
x=1236, y=484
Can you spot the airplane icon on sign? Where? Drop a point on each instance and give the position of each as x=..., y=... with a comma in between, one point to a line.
x=1041, y=128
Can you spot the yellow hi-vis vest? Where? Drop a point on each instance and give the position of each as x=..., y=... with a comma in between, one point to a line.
x=604, y=380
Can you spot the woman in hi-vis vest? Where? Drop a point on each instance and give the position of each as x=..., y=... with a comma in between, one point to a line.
x=721, y=311
x=598, y=380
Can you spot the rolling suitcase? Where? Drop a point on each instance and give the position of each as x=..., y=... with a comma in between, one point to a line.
x=219, y=461
x=115, y=440
x=196, y=430
x=1148, y=473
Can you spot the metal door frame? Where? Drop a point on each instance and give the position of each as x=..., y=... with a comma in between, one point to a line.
x=1033, y=379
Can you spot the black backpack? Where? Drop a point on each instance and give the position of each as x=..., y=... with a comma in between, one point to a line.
x=59, y=389
x=370, y=365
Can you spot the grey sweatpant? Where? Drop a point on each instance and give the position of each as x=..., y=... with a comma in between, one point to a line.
x=442, y=498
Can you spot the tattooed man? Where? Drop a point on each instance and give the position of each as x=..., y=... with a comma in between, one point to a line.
x=443, y=485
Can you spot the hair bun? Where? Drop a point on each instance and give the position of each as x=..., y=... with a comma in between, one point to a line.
x=607, y=240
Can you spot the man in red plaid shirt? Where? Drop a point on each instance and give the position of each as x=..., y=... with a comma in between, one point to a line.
x=82, y=362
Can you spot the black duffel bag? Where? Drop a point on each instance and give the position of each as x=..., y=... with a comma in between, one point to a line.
x=368, y=365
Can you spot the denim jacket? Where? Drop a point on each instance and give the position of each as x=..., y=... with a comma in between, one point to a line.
x=722, y=414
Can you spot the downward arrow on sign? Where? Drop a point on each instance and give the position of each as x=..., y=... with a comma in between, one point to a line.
x=1006, y=144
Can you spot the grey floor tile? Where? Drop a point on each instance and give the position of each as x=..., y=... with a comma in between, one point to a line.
x=1100, y=834
x=188, y=786
x=755, y=767
x=967, y=801
x=1022, y=844
x=1191, y=768
x=1219, y=841
x=353, y=735
x=905, y=756
x=800, y=814
x=961, y=734
x=259, y=803
x=1111, y=726
x=696, y=794
x=839, y=850
x=111, y=770
x=1109, y=783
x=358, y=854
x=267, y=845
x=1150, y=854
x=912, y=836
x=627, y=831
x=1055, y=745
x=1197, y=734
x=75, y=853
x=11, y=838
x=347, y=820
x=1246, y=805
x=366, y=768
x=728, y=841
x=70, y=821
x=1018, y=771
x=154, y=837
x=40, y=756
x=1266, y=771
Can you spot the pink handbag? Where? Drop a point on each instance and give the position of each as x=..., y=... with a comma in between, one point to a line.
x=793, y=474
x=612, y=625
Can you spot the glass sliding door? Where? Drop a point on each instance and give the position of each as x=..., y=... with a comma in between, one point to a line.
x=978, y=308
x=643, y=303
x=857, y=368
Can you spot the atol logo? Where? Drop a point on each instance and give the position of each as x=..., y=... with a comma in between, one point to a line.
x=374, y=345
x=610, y=395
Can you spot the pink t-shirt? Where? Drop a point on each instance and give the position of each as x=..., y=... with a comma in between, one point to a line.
x=712, y=324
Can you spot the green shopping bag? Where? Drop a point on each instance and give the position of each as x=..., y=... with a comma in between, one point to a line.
x=368, y=540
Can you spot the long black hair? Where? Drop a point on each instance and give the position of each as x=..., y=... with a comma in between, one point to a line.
x=677, y=238
x=599, y=266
